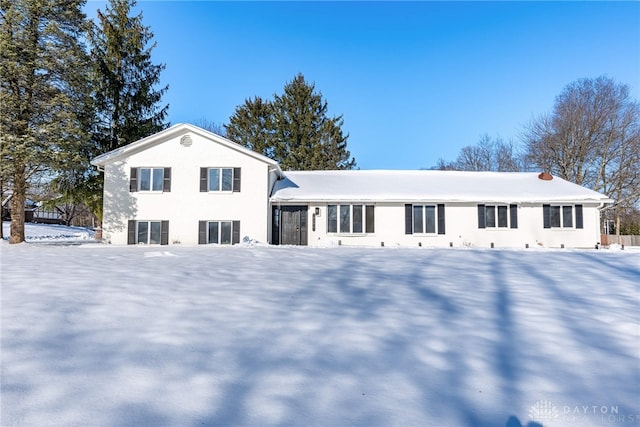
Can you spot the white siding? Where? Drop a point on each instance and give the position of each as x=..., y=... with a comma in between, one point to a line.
x=185, y=205
x=461, y=226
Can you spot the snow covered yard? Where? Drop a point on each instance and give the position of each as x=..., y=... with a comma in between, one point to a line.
x=96, y=335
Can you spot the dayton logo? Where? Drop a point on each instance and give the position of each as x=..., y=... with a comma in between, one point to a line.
x=543, y=410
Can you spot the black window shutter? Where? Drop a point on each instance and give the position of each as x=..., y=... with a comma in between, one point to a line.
x=370, y=216
x=133, y=181
x=131, y=232
x=235, y=238
x=481, y=217
x=408, y=219
x=236, y=180
x=166, y=183
x=579, y=221
x=202, y=232
x=203, y=179
x=441, y=218
x=546, y=216
x=513, y=211
x=164, y=233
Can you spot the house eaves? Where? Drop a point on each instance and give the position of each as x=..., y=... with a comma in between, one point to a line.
x=173, y=132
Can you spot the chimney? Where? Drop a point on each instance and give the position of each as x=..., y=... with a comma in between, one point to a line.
x=545, y=176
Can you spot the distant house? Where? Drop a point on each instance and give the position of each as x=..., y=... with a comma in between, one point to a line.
x=187, y=185
x=33, y=211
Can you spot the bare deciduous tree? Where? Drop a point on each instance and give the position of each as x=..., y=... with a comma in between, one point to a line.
x=592, y=138
x=211, y=126
x=488, y=155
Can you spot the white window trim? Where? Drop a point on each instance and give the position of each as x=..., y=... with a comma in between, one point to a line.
x=220, y=168
x=497, y=227
x=220, y=232
x=424, y=219
x=151, y=180
x=148, y=222
x=340, y=232
x=562, y=226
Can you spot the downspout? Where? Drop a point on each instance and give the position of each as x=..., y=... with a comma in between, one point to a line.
x=603, y=207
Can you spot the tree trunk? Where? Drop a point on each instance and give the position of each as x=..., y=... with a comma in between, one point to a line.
x=1, y=211
x=18, y=200
x=618, y=225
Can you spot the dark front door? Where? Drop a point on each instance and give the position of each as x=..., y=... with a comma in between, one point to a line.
x=293, y=225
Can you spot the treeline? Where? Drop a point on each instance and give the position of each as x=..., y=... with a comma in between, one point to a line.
x=591, y=138
x=71, y=89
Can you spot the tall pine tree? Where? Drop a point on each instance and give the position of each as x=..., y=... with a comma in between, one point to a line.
x=252, y=126
x=126, y=93
x=126, y=99
x=293, y=129
x=42, y=93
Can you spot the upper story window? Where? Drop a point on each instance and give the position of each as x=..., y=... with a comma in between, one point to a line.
x=350, y=219
x=497, y=216
x=150, y=179
x=562, y=216
x=219, y=179
x=424, y=219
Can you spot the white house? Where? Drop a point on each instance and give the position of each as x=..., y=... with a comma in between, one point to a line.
x=187, y=185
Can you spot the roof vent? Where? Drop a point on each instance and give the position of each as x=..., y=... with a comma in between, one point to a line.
x=545, y=176
x=186, y=141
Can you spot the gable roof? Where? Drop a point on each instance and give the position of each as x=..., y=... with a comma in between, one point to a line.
x=433, y=186
x=173, y=132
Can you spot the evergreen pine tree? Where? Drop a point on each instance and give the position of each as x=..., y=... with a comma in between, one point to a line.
x=293, y=129
x=126, y=94
x=252, y=126
x=125, y=99
x=43, y=93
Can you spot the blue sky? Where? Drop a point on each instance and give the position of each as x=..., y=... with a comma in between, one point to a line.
x=414, y=81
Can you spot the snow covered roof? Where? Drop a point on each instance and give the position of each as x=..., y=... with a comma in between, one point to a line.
x=172, y=132
x=435, y=186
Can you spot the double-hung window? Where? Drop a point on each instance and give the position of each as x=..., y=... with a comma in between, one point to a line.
x=219, y=179
x=497, y=216
x=562, y=216
x=219, y=232
x=148, y=232
x=424, y=219
x=150, y=179
x=355, y=219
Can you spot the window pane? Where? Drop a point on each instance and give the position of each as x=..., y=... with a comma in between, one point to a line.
x=490, y=216
x=227, y=179
x=225, y=233
x=418, y=225
x=143, y=232
x=158, y=178
x=345, y=219
x=154, y=235
x=370, y=219
x=145, y=179
x=567, y=216
x=332, y=216
x=555, y=216
x=357, y=218
x=430, y=215
x=502, y=216
x=213, y=232
x=214, y=179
